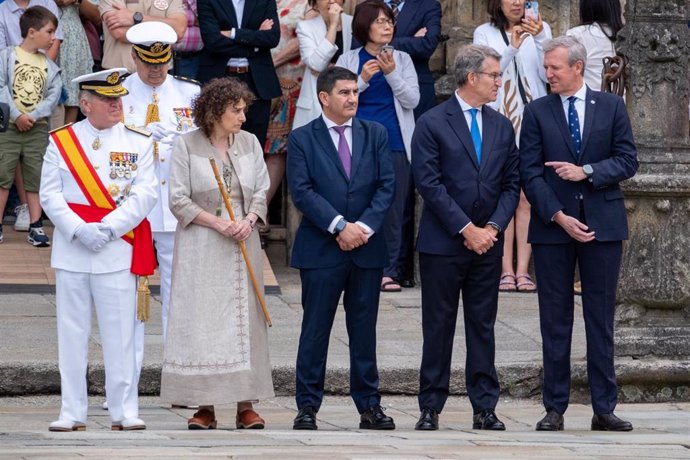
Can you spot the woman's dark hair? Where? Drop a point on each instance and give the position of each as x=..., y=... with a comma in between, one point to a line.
x=365, y=15
x=603, y=12
x=214, y=99
x=498, y=19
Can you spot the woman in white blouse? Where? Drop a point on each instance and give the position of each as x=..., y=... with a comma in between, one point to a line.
x=518, y=39
x=322, y=40
x=600, y=21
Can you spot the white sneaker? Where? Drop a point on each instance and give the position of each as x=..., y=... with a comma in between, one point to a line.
x=129, y=424
x=22, y=222
x=66, y=425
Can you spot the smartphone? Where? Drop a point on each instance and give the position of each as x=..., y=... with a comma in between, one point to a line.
x=387, y=49
x=532, y=9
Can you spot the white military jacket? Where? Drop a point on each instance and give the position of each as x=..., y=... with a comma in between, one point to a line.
x=175, y=111
x=133, y=188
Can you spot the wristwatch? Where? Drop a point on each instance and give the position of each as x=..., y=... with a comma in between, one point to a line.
x=495, y=227
x=588, y=170
x=137, y=18
x=340, y=226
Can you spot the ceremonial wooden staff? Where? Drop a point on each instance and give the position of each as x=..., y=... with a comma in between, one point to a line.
x=243, y=247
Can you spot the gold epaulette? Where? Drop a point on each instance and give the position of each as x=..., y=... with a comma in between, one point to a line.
x=188, y=80
x=142, y=131
x=61, y=127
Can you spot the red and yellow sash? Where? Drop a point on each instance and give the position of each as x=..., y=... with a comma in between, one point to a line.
x=100, y=201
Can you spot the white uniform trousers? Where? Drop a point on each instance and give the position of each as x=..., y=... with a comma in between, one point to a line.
x=165, y=244
x=114, y=297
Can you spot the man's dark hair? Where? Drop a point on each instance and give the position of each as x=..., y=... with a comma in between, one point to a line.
x=36, y=18
x=606, y=13
x=328, y=78
x=365, y=15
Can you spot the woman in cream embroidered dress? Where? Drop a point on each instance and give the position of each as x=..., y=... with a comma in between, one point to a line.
x=216, y=350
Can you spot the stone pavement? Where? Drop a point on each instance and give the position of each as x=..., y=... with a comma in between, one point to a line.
x=28, y=340
x=662, y=431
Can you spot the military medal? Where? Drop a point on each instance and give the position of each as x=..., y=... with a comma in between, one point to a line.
x=113, y=173
x=183, y=117
x=114, y=190
x=96, y=144
x=135, y=157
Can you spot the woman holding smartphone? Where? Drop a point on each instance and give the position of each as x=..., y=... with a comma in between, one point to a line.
x=518, y=36
x=388, y=94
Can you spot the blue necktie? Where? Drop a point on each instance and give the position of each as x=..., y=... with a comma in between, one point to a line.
x=476, y=135
x=574, y=125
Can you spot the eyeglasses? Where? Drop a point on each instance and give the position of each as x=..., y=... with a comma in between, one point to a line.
x=382, y=21
x=495, y=75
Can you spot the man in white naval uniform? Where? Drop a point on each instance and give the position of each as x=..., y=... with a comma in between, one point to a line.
x=161, y=103
x=97, y=186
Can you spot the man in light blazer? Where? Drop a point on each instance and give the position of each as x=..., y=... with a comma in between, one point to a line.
x=238, y=36
x=465, y=166
x=571, y=173
x=340, y=176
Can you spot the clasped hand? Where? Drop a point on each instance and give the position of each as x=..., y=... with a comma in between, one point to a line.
x=573, y=227
x=238, y=231
x=92, y=235
x=352, y=237
x=478, y=239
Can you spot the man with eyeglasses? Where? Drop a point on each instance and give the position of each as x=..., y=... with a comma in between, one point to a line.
x=465, y=166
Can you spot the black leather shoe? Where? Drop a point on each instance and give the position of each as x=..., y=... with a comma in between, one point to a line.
x=552, y=421
x=305, y=420
x=609, y=422
x=428, y=420
x=487, y=420
x=407, y=282
x=375, y=419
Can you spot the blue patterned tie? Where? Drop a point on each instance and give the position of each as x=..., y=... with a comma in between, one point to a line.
x=476, y=135
x=574, y=125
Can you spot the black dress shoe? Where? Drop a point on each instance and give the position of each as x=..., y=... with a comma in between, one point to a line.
x=428, y=420
x=305, y=420
x=609, y=422
x=552, y=421
x=375, y=419
x=487, y=420
x=407, y=282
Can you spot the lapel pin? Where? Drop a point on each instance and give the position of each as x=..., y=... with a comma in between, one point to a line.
x=592, y=101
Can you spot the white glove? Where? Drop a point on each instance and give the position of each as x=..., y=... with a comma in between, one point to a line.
x=158, y=131
x=168, y=140
x=105, y=228
x=91, y=237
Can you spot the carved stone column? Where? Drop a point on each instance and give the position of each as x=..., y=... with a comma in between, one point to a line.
x=653, y=312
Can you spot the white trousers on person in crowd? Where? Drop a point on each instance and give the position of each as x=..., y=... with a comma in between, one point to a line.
x=114, y=298
x=165, y=244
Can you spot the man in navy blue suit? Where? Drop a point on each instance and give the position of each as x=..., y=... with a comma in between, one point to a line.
x=340, y=175
x=238, y=37
x=417, y=32
x=576, y=146
x=465, y=166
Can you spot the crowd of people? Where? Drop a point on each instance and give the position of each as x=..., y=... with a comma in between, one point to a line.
x=112, y=140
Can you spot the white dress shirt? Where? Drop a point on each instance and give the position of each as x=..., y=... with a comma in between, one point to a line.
x=580, y=95
x=468, y=116
x=335, y=137
x=239, y=11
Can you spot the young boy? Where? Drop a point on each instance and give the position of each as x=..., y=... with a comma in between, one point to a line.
x=30, y=83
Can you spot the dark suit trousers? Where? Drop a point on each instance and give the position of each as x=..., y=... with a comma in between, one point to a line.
x=443, y=278
x=554, y=265
x=259, y=111
x=321, y=289
x=393, y=227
